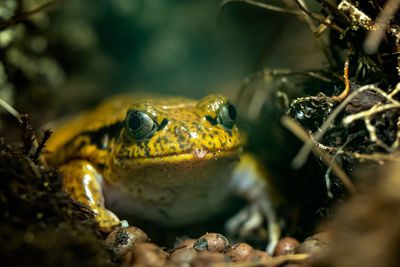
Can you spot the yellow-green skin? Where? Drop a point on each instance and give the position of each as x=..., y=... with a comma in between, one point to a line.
x=177, y=176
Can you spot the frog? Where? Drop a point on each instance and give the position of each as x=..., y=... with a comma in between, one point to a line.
x=168, y=160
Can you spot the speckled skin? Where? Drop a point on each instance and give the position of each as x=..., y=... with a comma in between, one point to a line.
x=185, y=164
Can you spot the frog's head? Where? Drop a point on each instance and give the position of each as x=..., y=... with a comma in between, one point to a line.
x=172, y=131
x=172, y=152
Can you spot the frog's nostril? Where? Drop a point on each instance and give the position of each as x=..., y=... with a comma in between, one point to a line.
x=199, y=153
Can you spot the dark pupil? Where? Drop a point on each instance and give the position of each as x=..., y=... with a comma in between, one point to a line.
x=135, y=121
x=232, y=112
x=140, y=125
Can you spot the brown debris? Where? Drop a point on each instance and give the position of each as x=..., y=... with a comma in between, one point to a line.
x=366, y=231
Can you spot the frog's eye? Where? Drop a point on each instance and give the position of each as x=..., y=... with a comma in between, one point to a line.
x=140, y=125
x=227, y=116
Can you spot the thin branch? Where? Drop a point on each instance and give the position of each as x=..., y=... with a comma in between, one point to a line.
x=42, y=145
x=24, y=15
x=275, y=261
x=318, y=31
x=311, y=15
x=301, y=133
x=349, y=119
x=346, y=81
x=377, y=107
x=335, y=9
x=265, y=6
x=10, y=109
x=376, y=156
x=374, y=38
x=301, y=157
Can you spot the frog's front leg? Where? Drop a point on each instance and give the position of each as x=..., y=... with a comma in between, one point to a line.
x=250, y=181
x=83, y=182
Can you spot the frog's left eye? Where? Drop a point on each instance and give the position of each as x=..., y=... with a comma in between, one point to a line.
x=227, y=116
x=140, y=125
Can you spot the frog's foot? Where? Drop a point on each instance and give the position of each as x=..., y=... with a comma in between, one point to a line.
x=245, y=221
x=251, y=219
x=106, y=219
x=250, y=181
x=83, y=182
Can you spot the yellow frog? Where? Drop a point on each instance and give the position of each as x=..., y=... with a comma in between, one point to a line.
x=172, y=161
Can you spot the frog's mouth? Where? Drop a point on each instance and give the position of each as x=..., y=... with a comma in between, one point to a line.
x=195, y=155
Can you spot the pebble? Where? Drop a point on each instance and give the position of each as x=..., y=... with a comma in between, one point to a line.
x=148, y=254
x=286, y=245
x=183, y=255
x=259, y=255
x=315, y=244
x=124, y=239
x=206, y=258
x=212, y=242
x=188, y=243
x=240, y=252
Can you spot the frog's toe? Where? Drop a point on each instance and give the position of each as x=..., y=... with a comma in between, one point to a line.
x=246, y=221
x=107, y=220
x=251, y=219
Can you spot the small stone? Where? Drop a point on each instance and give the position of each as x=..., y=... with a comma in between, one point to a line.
x=286, y=245
x=240, y=252
x=206, y=258
x=315, y=244
x=183, y=255
x=212, y=242
x=124, y=239
x=188, y=243
x=149, y=254
x=259, y=255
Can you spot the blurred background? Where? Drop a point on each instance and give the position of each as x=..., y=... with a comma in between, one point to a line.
x=58, y=58
x=73, y=54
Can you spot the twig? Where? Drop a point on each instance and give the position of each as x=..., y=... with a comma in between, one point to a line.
x=377, y=107
x=23, y=16
x=27, y=135
x=42, y=144
x=34, y=167
x=334, y=7
x=349, y=119
x=347, y=83
x=317, y=31
x=396, y=143
x=311, y=15
x=335, y=156
x=301, y=133
x=10, y=110
x=358, y=17
x=265, y=6
x=275, y=261
x=301, y=157
x=376, y=156
x=374, y=37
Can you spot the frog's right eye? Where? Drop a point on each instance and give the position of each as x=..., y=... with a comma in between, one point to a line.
x=227, y=116
x=140, y=125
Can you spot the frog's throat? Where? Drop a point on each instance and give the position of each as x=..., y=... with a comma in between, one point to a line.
x=196, y=155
